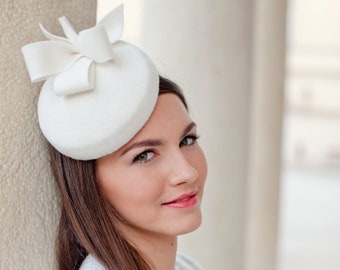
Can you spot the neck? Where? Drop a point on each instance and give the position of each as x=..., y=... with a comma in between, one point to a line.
x=158, y=250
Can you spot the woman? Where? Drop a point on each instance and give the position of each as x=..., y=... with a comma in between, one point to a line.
x=127, y=213
x=125, y=203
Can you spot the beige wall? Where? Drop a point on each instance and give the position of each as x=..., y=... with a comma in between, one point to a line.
x=264, y=170
x=28, y=205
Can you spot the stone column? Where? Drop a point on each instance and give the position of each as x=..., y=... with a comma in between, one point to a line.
x=28, y=204
x=264, y=158
x=228, y=57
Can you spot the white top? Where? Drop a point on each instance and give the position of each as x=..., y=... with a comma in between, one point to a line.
x=182, y=263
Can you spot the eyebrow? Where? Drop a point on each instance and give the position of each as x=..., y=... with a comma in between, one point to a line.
x=152, y=142
x=144, y=143
x=188, y=128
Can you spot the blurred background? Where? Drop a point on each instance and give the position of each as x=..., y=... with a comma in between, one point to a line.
x=273, y=192
x=310, y=185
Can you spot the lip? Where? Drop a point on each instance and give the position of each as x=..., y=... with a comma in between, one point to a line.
x=184, y=201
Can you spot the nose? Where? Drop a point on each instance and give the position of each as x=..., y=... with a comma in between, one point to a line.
x=182, y=170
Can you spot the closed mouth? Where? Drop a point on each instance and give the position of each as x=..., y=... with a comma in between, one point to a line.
x=183, y=201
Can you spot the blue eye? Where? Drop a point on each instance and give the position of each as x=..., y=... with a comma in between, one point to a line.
x=188, y=140
x=144, y=156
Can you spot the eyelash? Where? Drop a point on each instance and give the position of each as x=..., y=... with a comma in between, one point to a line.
x=139, y=157
x=193, y=137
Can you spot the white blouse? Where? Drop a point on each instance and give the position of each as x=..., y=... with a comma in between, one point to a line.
x=182, y=263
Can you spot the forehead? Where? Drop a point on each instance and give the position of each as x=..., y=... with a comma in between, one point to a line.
x=168, y=115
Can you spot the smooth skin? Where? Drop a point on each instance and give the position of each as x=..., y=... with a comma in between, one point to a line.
x=143, y=179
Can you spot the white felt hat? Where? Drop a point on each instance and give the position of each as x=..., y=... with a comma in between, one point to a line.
x=99, y=90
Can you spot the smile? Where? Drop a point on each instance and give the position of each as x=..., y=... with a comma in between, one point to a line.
x=184, y=201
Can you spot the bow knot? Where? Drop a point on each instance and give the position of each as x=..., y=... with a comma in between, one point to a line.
x=71, y=60
x=94, y=44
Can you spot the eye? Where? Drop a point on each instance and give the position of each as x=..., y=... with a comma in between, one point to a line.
x=188, y=140
x=144, y=156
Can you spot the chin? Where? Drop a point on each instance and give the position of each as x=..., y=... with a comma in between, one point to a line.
x=189, y=225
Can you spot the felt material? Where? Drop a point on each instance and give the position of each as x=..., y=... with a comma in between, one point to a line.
x=99, y=90
x=28, y=204
x=96, y=123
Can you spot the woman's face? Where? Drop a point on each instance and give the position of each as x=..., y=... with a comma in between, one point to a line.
x=156, y=181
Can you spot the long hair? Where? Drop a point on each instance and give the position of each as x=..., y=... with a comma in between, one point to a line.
x=88, y=224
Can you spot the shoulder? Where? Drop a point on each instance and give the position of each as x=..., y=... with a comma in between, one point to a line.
x=90, y=263
x=184, y=262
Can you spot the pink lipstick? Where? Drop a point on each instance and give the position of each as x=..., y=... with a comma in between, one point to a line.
x=183, y=201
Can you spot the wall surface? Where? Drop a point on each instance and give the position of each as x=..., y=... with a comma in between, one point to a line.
x=28, y=205
x=265, y=118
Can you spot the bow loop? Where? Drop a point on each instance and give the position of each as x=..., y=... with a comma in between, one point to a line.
x=68, y=29
x=94, y=44
x=113, y=23
x=72, y=60
x=48, y=58
x=78, y=78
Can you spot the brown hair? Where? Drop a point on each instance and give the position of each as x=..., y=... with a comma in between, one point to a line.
x=87, y=221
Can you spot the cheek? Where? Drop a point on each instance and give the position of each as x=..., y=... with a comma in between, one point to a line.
x=123, y=189
x=111, y=184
